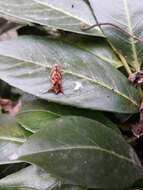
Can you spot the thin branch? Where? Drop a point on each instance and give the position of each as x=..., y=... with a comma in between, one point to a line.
x=125, y=64
x=115, y=26
x=123, y=60
x=94, y=16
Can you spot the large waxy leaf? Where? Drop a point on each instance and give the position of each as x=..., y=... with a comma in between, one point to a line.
x=29, y=178
x=88, y=81
x=84, y=152
x=31, y=11
x=127, y=15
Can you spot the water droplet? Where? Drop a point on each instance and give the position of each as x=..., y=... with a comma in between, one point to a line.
x=78, y=86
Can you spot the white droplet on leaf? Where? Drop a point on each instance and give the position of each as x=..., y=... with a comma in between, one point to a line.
x=78, y=86
x=29, y=72
x=13, y=157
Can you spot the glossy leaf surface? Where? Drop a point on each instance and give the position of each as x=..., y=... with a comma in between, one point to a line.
x=88, y=81
x=83, y=152
x=33, y=12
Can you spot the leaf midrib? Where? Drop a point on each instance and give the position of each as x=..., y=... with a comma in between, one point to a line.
x=27, y=20
x=134, y=50
x=48, y=25
x=82, y=77
x=13, y=139
x=103, y=85
x=102, y=58
x=62, y=11
x=97, y=148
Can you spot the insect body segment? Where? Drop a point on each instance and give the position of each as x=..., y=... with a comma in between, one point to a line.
x=56, y=79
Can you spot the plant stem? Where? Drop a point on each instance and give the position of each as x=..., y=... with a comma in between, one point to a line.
x=124, y=62
x=141, y=92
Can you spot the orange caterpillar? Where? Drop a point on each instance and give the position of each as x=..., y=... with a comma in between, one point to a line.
x=56, y=79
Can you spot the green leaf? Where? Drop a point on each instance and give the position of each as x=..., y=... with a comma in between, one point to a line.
x=34, y=119
x=84, y=152
x=29, y=178
x=127, y=15
x=36, y=114
x=88, y=81
x=11, y=137
x=96, y=46
x=31, y=11
x=11, y=131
